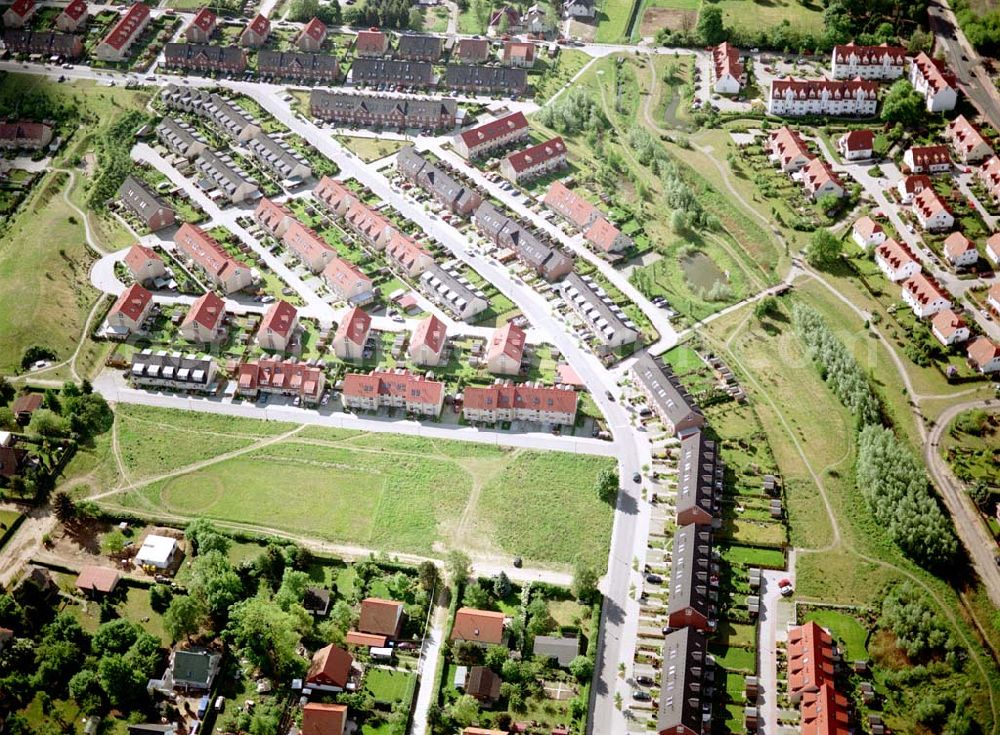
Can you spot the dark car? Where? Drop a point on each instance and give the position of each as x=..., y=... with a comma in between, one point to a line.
x=646, y=681
x=654, y=578
x=636, y=477
x=517, y=562
x=641, y=696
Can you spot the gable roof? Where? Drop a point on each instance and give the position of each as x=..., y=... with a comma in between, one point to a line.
x=331, y=664
x=570, y=205
x=205, y=20
x=323, y=719
x=354, y=327
x=412, y=388
x=494, y=129
x=602, y=234
x=22, y=7
x=473, y=49
x=133, y=302
x=508, y=340
x=76, y=9
x=520, y=396
x=260, y=25
x=982, y=350
x=929, y=155
x=379, y=616
x=946, y=322
x=859, y=140
x=346, y=275
x=957, y=244
x=933, y=72
x=125, y=29
x=895, y=254
x=537, y=154
x=138, y=255
x=866, y=227
x=208, y=311
x=369, y=640
x=416, y=44
x=97, y=579
x=482, y=626
x=810, y=658
x=482, y=683
x=315, y=29
x=371, y=41
x=430, y=333
x=280, y=318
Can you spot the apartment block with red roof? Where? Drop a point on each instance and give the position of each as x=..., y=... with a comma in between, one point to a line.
x=202, y=26
x=993, y=248
x=882, y=62
x=856, y=145
x=348, y=282
x=352, y=334
x=311, y=249
x=989, y=175
x=925, y=296
x=381, y=617
x=727, y=70
x=472, y=50
x=927, y=159
x=968, y=143
x=931, y=211
x=330, y=669
x=393, y=389
x=73, y=17
x=281, y=377
x=583, y=215
x=518, y=54
x=984, y=355
x=896, y=260
x=505, y=351
x=277, y=328
x=810, y=660
x=428, y=342
x=483, y=627
x=273, y=217
x=323, y=719
x=25, y=134
x=788, y=150
x=117, y=44
x=867, y=233
x=334, y=195
x=130, y=311
x=19, y=13
x=537, y=160
x=937, y=85
x=312, y=36
x=825, y=712
x=256, y=32
x=841, y=98
x=949, y=328
x=909, y=186
x=144, y=264
x=491, y=136
x=208, y=256
x=960, y=251
x=371, y=44
x=506, y=401
x=406, y=254
x=204, y=320
x=819, y=180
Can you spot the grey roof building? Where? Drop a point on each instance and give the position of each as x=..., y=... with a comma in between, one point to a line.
x=294, y=65
x=180, y=137
x=453, y=292
x=164, y=369
x=700, y=473
x=486, y=79
x=389, y=71
x=603, y=317
x=693, y=577
x=671, y=401
x=549, y=262
x=391, y=112
x=205, y=57
x=46, y=43
x=193, y=669
x=143, y=202
x=224, y=174
x=458, y=197
x=277, y=156
x=686, y=684
x=563, y=650
x=230, y=119
x=416, y=47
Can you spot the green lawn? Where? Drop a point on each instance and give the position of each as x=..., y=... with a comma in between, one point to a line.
x=846, y=629
x=732, y=658
x=747, y=556
x=390, y=686
x=554, y=73
x=370, y=149
x=436, y=19
x=757, y=15
x=612, y=20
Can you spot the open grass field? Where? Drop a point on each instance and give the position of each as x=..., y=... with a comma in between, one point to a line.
x=554, y=73
x=370, y=149
x=612, y=20
x=846, y=629
x=436, y=19
x=390, y=686
x=757, y=15
x=674, y=15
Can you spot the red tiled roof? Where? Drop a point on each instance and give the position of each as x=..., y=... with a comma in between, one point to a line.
x=536, y=154
x=76, y=9
x=260, y=25
x=993, y=246
x=23, y=130
x=431, y=333
x=305, y=242
x=357, y=638
x=28, y=403
x=204, y=250
x=929, y=203
x=870, y=55
x=817, y=173
x=22, y=7
x=569, y=205
x=208, y=311
x=205, y=20
x=982, y=350
x=859, y=140
x=331, y=191
x=483, y=626
x=494, y=129
x=370, y=41
x=315, y=29
x=132, y=302
x=354, y=327
x=866, y=227
x=323, y=719
x=346, y=275
x=925, y=289
x=473, y=48
x=957, y=243
x=788, y=145
x=807, y=89
x=281, y=375
x=519, y=49
x=379, y=616
x=523, y=396
x=726, y=60
x=810, y=658
x=508, y=340
x=330, y=665
x=403, y=249
x=602, y=234
x=933, y=72
x=280, y=318
x=137, y=256
x=947, y=322
x=397, y=384
x=895, y=253
x=123, y=31
x=513, y=17
x=824, y=712
x=270, y=213
x=916, y=183
x=98, y=579
x=929, y=155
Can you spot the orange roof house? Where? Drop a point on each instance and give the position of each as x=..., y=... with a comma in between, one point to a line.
x=810, y=659
x=102, y=580
x=323, y=719
x=478, y=626
x=330, y=668
x=381, y=617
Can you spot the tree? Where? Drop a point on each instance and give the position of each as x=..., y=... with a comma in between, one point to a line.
x=582, y=668
x=64, y=507
x=501, y=585
x=607, y=485
x=292, y=590
x=540, y=620
x=267, y=635
x=710, y=30
x=183, y=617
x=7, y=420
x=160, y=596
x=904, y=105
x=214, y=583
x=88, y=414
x=113, y=542
x=205, y=537
x=458, y=565
x=85, y=689
x=496, y=656
x=45, y=422
x=765, y=307
x=427, y=573
x=6, y=391
x=585, y=577
x=464, y=711
x=824, y=249
x=116, y=636
x=303, y=10
x=475, y=596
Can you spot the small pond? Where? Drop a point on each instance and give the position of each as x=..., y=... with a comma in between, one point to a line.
x=701, y=272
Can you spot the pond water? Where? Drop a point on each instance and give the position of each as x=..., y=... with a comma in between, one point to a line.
x=701, y=271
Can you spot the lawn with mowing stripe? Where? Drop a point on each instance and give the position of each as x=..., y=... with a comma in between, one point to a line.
x=612, y=20
x=846, y=630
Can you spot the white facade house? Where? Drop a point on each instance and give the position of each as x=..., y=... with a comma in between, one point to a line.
x=727, y=70
x=960, y=251
x=923, y=294
x=949, y=328
x=935, y=84
x=157, y=552
x=840, y=98
x=868, y=233
x=931, y=212
x=896, y=261
x=850, y=61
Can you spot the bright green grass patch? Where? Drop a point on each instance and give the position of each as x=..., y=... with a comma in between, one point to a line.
x=612, y=20
x=370, y=149
x=390, y=686
x=734, y=659
x=137, y=609
x=757, y=15
x=751, y=557
x=737, y=634
x=544, y=507
x=846, y=629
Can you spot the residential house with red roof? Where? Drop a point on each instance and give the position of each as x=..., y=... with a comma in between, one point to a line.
x=273, y=217
x=968, y=143
x=208, y=256
x=348, y=282
x=882, y=62
x=607, y=238
x=993, y=248
x=819, y=180
x=97, y=581
x=867, y=233
x=73, y=17
x=483, y=627
x=117, y=44
x=144, y=264
x=393, y=389
x=949, y=328
x=960, y=251
x=841, y=98
x=203, y=322
x=256, y=33
x=989, y=175
x=825, y=712
x=984, y=355
x=856, y=145
x=925, y=296
x=352, y=334
x=909, y=186
x=202, y=26
x=330, y=669
x=332, y=193
x=12, y=461
x=312, y=36
x=927, y=159
x=306, y=244
x=931, y=212
x=896, y=260
x=371, y=43
x=583, y=215
x=506, y=401
x=381, y=617
x=364, y=640
x=937, y=85
x=491, y=136
x=506, y=350
x=277, y=328
x=505, y=20
x=428, y=342
x=281, y=377
x=537, y=160
x=19, y=13
x=472, y=50
x=24, y=134
x=130, y=311
x=788, y=150
x=727, y=70
x=520, y=54
x=323, y=719
x=810, y=660
x=407, y=254
x=24, y=406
